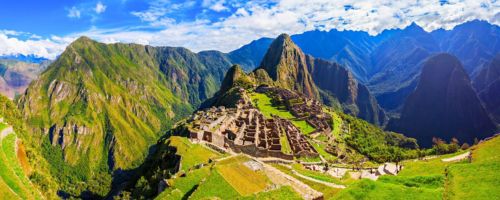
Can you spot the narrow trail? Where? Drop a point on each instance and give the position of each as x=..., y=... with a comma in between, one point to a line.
x=457, y=158
x=333, y=185
x=279, y=178
x=6, y=131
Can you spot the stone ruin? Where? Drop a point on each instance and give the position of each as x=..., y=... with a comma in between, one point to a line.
x=301, y=107
x=244, y=129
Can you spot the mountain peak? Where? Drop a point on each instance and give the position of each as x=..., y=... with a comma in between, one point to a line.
x=286, y=64
x=413, y=28
x=284, y=38
x=82, y=40
x=443, y=105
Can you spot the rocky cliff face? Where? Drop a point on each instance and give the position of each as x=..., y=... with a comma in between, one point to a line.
x=285, y=65
x=108, y=103
x=355, y=98
x=443, y=105
x=487, y=83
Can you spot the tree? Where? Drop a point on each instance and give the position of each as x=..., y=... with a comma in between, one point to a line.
x=465, y=146
x=476, y=141
x=439, y=145
x=453, y=146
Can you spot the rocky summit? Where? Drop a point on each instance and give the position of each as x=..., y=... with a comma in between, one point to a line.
x=285, y=65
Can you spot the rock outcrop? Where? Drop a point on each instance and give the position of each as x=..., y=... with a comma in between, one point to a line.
x=288, y=67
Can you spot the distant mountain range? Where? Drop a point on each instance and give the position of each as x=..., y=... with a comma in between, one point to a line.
x=25, y=58
x=390, y=62
x=285, y=65
x=16, y=74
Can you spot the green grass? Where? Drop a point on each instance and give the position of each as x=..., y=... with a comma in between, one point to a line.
x=215, y=186
x=11, y=173
x=242, y=178
x=320, y=148
x=181, y=187
x=315, y=175
x=283, y=192
x=285, y=146
x=423, y=167
x=192, y=154
x=337, y=124
x=374, y=190
x=328, y=192
x=263, y=103
x=479, y=179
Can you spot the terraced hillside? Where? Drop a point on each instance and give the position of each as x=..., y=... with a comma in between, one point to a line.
x=14, y=183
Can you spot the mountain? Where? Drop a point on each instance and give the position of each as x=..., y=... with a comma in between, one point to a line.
x=99, y=107
x=16, y=75
x=488, y=74
x=336, y=81
x=389, y=64
x=443, y=105
x=287, y=66
x=249, y=56
x=487, y=83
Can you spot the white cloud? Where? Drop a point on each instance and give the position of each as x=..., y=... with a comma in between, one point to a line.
x=217, y=6
x=159, y=8
x=100, y=8
x=47, y=48
x=261, y=18
x=74, y=12
x=256, y=19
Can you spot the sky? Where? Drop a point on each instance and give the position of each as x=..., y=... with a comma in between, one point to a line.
x=45, y=27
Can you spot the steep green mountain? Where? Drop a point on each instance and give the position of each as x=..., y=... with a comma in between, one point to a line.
x=24, y=173
x=98, y=108
x=444, y=105
x=288, y=67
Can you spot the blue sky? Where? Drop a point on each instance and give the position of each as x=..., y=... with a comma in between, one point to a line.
x=46, y=27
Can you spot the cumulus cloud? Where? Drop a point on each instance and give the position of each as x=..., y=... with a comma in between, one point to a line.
x=100, y=8
x=256, y=19
x=46, y=48
x=74, y=12
x=262, y=18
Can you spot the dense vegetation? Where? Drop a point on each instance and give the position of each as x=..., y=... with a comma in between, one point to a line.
x=98, y=108
x=39, y=174
x=376, y=144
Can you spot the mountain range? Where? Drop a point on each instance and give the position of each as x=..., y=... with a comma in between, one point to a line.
x=97, y=111
x=390, y=63
x=285, y=65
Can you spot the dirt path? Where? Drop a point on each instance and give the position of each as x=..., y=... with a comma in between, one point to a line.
x=6, y=131
x=333, y=185
x=279, y=178
x=457, y=158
